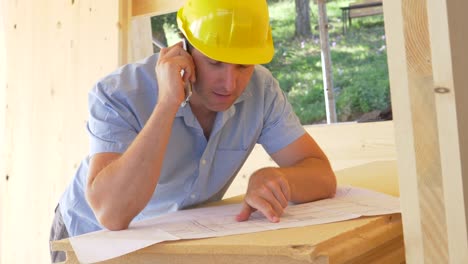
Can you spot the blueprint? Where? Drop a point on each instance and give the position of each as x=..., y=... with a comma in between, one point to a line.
x=348, y=203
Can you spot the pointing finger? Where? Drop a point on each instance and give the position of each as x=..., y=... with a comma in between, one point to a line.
x=244, y=213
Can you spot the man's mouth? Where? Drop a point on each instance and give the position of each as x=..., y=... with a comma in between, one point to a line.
x=222, y=94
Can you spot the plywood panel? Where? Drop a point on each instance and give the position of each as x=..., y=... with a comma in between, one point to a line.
x=56, y=51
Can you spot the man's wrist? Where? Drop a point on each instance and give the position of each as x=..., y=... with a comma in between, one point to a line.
x=168, y=108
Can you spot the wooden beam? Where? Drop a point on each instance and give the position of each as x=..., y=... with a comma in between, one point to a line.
x=3, y=110
x=125, y=28
x=399, y=83
x=431, y=149
x=449, y=39
x=155, y=7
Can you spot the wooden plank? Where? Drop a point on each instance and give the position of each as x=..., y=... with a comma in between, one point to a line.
x=3, y=109
x=449, y=39
x=124, y=52
x=362, y=8
x=56, y=51
x=417, y=131
x=155, y=7
x=354, y=13
x=404, y=139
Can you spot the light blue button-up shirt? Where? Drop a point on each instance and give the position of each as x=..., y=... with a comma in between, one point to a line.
x=195, y=169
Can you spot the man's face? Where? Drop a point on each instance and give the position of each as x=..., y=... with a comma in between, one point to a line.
x=218, y=84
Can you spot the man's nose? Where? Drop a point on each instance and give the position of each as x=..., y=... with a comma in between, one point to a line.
x=231, y=73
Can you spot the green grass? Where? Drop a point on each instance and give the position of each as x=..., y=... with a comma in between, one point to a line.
x=359, y=62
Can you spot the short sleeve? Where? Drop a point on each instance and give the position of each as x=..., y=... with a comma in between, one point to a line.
x=281, y=124
x=111, y=126
x=120, y=104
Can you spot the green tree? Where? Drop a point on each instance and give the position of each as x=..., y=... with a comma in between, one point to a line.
x=158, y=24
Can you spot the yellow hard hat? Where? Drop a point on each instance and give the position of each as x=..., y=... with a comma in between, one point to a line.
x=232, y=31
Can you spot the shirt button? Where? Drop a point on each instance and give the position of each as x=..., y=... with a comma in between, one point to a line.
x=193, y=196
x=203, y=162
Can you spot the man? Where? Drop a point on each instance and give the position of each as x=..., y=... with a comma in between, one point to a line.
x=150, y=155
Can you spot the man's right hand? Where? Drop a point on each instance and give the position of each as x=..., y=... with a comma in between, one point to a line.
x=172, y=61
x=121, y=185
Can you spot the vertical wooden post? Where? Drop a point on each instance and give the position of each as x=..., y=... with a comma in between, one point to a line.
x=430, y=150
x=449, y=39
x=399, y=84
x=326, y=63
x=125, y=26
x=3, y=109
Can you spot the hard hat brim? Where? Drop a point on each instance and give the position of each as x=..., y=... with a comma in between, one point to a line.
x=245, y=56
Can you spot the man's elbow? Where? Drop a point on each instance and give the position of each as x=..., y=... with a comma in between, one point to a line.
x=107, y=217
x=112, y=223
x=331, y=190
x=330, y=186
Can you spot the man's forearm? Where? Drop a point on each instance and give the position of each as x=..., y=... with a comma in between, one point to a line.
x=123, y=188
x=310, y=179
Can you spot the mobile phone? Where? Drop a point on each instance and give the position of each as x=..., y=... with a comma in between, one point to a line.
x=188, y=87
